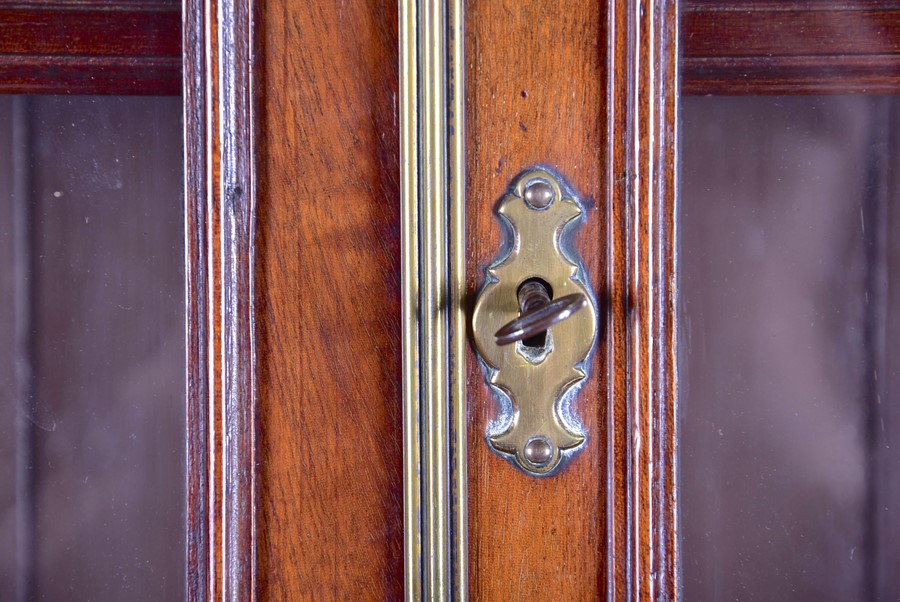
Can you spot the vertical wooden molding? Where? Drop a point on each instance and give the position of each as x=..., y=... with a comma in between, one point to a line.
x=641, y=203
x=196, y=304
x=235, y=203
x=219, y=212
x=195, y=185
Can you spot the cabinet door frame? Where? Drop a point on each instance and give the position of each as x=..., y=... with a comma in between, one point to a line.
x=221, y=49
x=643, y=291
x=644, y=80
x=220, y=137
x=215, y=58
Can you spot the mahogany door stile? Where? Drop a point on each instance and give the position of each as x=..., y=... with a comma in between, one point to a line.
x=587, y=89
x=535, y=94
x=296, y=475
x=295, y=419
x=327, y=300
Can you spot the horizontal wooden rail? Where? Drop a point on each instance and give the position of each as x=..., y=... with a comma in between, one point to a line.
x=817, y=47
x=89, y=47
x=736, y=47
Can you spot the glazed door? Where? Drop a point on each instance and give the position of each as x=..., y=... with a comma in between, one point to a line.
x=92, y=421
x=788, y=266
x=684, y=209
x=357, y=204
x=345, y=168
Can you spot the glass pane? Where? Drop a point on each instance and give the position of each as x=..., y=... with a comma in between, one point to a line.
x=790, y=348
x=92, y=360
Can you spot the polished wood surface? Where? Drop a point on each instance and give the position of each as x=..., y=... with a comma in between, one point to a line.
x=327, y=304
x=220, y=197
x=764, y=47
x=605, y=526
x=198, y=519
x=730, y=47
x=91, y=47
x=643, y=288
x=300, y=494
x=535, y=94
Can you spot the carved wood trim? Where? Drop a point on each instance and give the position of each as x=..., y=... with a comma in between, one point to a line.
x=90, y=47
x=197, y=307
x=641, y=285
x=220, y=215
x=819, y=47
x=730, y=47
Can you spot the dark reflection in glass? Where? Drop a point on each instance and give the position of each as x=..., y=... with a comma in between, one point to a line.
x=92, y=354
x=790, y=348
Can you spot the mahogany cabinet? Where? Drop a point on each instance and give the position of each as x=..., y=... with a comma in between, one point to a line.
x=353, y=175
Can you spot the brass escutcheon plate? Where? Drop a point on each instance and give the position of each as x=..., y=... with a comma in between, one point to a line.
x=535, y=380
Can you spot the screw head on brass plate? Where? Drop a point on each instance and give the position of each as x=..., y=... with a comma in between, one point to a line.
x=538, y=194
x=538, y=451
x=535, y=373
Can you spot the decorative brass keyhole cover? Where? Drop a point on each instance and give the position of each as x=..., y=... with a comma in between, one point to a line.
x=534, y=323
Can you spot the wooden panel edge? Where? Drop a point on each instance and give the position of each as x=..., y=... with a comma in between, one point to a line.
x=131, y=76
x=825, y=74
x=642, y=541
x=196, y=186
x=740, y=48
x=130, y=48
x=220, y=206
x=93, y=5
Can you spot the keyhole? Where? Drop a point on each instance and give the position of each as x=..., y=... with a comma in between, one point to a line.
x=532, y=294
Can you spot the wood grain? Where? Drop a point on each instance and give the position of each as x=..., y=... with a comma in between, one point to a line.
x=90, y=48
x=220, y=198
x=734, y=47
x=197, y=308
x=234, y=203
x=598, y=105
x=743, y=47
x=328, y=304
x=640, y=182
x=294, y=419
x=536, y=95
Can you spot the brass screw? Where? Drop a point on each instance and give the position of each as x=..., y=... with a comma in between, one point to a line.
x=538, y=194
x=538, y=451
